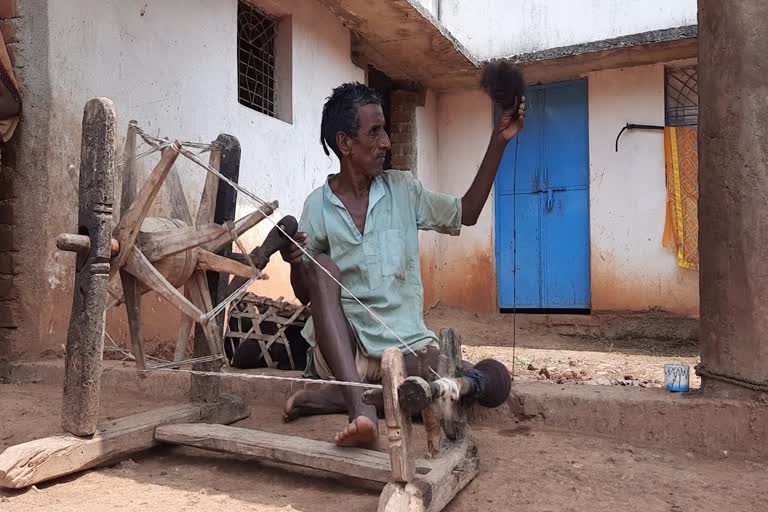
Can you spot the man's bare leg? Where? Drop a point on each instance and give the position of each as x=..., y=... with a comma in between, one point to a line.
x=330, y=400
x=337, y=343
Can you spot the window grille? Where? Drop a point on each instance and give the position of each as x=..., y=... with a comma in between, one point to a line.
x=681, y=96
x=256, y=59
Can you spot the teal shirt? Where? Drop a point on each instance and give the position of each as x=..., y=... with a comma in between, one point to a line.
x=380, y=267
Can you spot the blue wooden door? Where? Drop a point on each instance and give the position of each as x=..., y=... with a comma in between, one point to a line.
x=542, y=204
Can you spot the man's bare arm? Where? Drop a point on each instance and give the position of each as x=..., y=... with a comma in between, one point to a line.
x=293, y=256
x=473, y=201
x=299, y=282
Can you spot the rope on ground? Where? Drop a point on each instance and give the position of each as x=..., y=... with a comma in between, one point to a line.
x=251, y=376
x=731, y=377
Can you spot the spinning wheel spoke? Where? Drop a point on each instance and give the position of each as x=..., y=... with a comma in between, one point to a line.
x=127, y=229
x=179, y=205
x=145, y=272
x=241, y=226
x=132, y=294
x=215, y=263
x=208, y=198
x=182, y=342
x=159, y=245
x=128, y=176
x=201, y=296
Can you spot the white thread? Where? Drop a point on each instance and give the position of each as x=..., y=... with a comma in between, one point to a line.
x=233, y=297
x=447, y=396
x=248, y=376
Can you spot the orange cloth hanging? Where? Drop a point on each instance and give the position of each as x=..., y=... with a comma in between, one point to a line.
x=681, y=229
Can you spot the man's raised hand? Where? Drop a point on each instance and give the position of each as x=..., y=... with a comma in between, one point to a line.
x=508, y=126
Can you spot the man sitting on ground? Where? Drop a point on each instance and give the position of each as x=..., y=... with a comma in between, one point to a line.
x=362, y=227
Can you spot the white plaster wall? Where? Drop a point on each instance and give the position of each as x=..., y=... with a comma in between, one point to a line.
x=497, y=28
x=427, y=170
x=172, y=66
x=631, y=270
x=466, y=268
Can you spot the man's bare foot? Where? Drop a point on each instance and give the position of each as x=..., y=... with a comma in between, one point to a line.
x=361, y=432
x=309, y=402
x=290, y=412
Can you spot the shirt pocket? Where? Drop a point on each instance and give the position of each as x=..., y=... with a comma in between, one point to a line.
x=371, y=266
x=392, y=242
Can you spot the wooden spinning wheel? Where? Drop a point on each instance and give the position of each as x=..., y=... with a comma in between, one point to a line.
x=152, y=253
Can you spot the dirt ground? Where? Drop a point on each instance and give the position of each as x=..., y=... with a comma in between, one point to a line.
x=523, y=469
x=550, y=357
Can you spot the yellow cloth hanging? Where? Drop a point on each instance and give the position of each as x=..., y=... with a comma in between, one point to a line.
x=681, y=229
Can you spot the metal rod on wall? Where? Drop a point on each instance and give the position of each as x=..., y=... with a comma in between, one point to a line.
x=631, y=126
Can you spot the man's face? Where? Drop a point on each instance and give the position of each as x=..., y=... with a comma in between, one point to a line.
x=368, y=149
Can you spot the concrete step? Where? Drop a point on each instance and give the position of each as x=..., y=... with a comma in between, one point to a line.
x=616, y=325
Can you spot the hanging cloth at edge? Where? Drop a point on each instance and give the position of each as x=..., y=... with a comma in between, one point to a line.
x=681, y=161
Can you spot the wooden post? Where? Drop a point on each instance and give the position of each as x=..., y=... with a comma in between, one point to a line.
x=449, y=365
x=432, y=426
x=85, y=338
x=205, y=388
x=130, y=285
x=733, y=192
x=399, y=426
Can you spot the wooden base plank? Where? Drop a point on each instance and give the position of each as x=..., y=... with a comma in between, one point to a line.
x=355, y=462
x=454, y=467
x=44, y=459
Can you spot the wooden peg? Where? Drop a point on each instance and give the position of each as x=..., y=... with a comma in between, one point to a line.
x=82, y=244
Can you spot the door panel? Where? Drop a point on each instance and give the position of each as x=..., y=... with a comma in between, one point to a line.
x=542, y=204
x=527, y=291
x=565, y=140
x=566, y=252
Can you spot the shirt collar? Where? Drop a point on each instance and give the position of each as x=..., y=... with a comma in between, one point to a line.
x=374, y=195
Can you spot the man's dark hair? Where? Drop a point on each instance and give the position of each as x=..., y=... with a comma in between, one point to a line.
x=340, y=113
